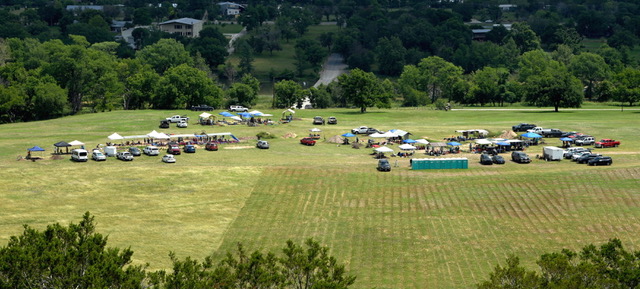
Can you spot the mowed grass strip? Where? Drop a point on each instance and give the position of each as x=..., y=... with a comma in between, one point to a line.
x=416, y=229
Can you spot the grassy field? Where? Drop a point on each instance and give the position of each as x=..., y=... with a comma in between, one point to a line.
x=403, y=229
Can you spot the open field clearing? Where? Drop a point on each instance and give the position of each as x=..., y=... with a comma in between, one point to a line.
x=402, y=229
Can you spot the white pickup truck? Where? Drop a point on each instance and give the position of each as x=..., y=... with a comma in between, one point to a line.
x=178, y=118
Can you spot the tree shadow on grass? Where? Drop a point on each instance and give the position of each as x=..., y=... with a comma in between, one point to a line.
x=357, y=112
x=547, y=111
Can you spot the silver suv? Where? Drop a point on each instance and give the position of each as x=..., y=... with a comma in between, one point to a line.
x=125, y=156
x=238, y=108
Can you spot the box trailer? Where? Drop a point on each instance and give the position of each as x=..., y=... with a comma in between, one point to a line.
x=552, y=153
x=110, y=151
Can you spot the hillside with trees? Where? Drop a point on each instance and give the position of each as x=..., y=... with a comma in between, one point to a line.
x=540, y=53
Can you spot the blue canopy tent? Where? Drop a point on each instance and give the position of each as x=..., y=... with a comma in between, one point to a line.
x=531, y=135
x=409, y=141
x=34, y=149
x=244, y=114
x=567, y=139
x=503, y=143
x=454, y=143
x=348, y=135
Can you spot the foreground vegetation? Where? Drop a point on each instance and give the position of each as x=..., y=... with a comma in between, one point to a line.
x=404, y=229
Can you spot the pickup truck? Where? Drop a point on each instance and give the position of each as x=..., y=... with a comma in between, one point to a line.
x=536, y=129
x=177, y=118
x=523, y=127
x=607, y=143
x=238, y=108
x=585, y=140
x=308, y=141
x=364, y=130
x=551, y=132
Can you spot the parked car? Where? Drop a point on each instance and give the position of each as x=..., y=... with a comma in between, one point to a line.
x=124, y=156
x=585, y=158
x=485, y=159
x=202, y=107
x=79, y=155
x=318, y=120
x=383, y=165
x=576, y=156
x=97, y=155
x=262, y=144
x=607, y=143
x=365, y=130
x=332, y=120
x=151, y=151
x=177, y=118
x=174, y=150
x=498, y=159
x=523, y=127
x=308, y=141
x=168, y=159
x=164, y=123
x=238, y=108
x=600, y=160
x=135, y=151
x=182, y=124
x=520, y=157
x=190, y=149
x=584, y=140
x=573, y=150
x=211, y=146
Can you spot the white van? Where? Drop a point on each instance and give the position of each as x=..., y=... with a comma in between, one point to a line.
x=151, y=151
x=79, y=155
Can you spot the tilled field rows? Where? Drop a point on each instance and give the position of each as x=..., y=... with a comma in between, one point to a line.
x=415, y=229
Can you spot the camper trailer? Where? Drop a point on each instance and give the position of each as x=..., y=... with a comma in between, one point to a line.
x=79, y=155
x=110, y=151
x=552, y=153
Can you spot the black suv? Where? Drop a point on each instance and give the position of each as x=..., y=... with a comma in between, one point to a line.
x=520, y=157
x=553, y=133
x=601, y=160
x=164, y=124
x=202, y=107
x=585, y=158
x=383, y=165
x=485, y=159
x=498, y=160
x=523, y=127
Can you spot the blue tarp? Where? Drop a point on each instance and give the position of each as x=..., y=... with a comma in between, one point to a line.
x=566, y=139
x=453, y=143
x=503, y=143
x=227, y=114
x=531, y=135
x=36, y=149
x=348, y=135
x=408, y=141
x=244, y=114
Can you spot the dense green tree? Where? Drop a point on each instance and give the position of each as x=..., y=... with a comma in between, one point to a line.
x=555, y=86
x=511, y=276
x=320, y=97
x=73, y=256
x=390, y=55
x=184, y=86
x=142, y=16
x=524, y=37
x=165, y=54
x=241, y=94
x=286, y=93
x=627, y=85
x=245, y=53
x=489, y=85
x=434, y=76
x=591, y=69
x=362, y=89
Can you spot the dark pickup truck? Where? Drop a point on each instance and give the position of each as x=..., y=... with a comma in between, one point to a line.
x=523, y=127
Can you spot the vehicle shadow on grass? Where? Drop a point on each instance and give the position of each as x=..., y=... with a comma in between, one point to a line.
x=357, y=112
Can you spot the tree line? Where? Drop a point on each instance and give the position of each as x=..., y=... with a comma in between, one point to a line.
x=77, y=256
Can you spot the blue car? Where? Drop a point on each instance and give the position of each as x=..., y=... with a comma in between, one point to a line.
x=189, y=149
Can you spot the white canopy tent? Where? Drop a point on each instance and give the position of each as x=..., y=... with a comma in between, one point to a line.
x=377, y=135
x=76, y=143
x=115, y=136
x=383, y=150
x=422, y=141
x=483, y=141
x=235, y=117
x=390, y=134
x=406, y=147
x=205, y=115
x=315, y=129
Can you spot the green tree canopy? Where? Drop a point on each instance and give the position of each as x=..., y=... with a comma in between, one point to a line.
x=286, y=93
x=72, y=256
x=183, y=86
x=362, y=89
x=590, y=68
x=165, y=54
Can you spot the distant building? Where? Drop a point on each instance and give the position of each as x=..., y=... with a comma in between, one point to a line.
x=85, y=7
x=480, y=34
x=188, y=27
x=118, y=26
x=230, y=8
x=507, y=7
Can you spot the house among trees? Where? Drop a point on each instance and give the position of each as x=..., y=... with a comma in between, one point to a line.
x=188, y=27
x=507, y=7
x=230, y=8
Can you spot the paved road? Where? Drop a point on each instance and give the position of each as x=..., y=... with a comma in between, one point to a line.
x=331, y=69
x=233, y=39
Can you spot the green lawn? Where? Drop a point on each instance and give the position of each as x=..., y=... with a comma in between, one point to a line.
x=403, y=229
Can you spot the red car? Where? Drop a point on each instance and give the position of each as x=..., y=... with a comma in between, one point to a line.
x=174, y=150
x=308, y=141
x=211, y=146
x=607, y=143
